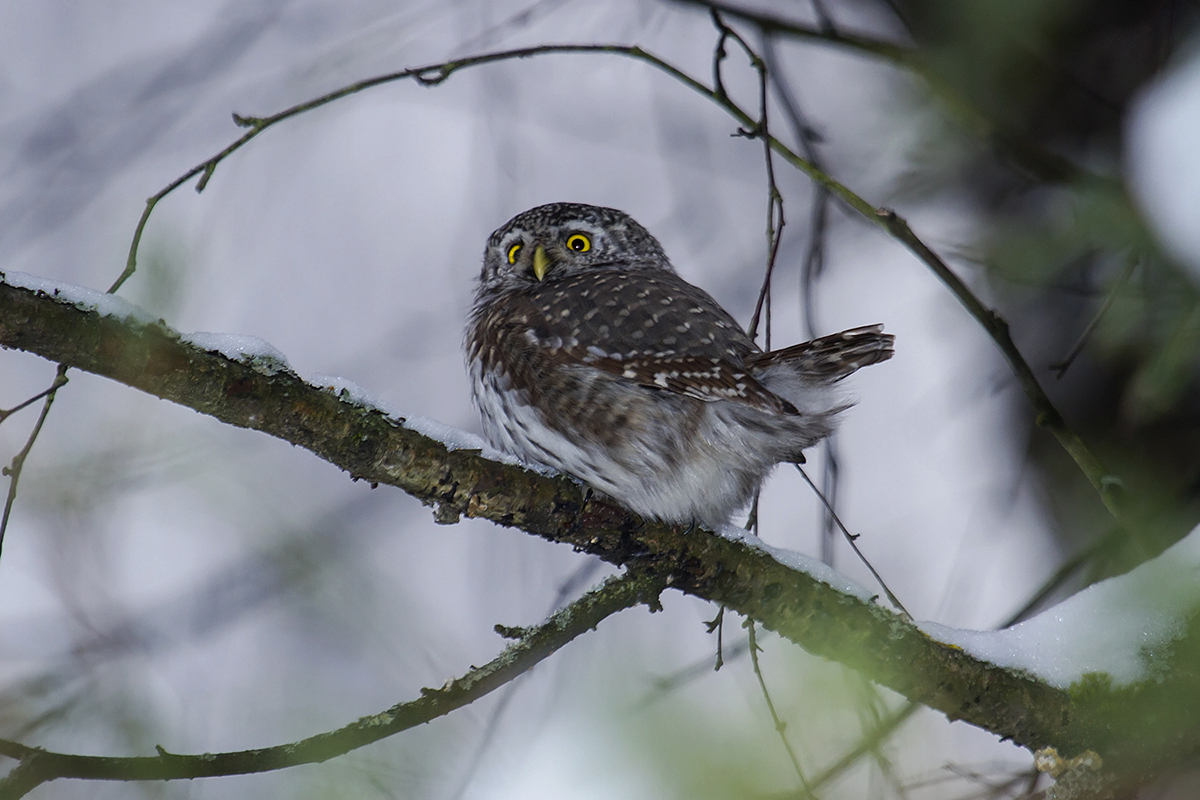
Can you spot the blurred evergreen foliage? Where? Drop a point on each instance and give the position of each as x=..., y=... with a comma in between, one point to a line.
x=1066, y=246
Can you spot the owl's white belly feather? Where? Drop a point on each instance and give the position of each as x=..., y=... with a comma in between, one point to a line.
x=715, y=479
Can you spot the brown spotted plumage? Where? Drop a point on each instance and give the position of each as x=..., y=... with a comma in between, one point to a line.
x=590, y=355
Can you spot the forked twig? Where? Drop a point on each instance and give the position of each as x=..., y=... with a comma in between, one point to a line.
x=14, y=469
x=760, y=130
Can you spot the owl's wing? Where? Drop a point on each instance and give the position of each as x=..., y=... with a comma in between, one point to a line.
x=651, y=328
x=707, y=379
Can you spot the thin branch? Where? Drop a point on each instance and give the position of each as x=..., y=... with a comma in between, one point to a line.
x=775, y=223
x=869, y=742
x=430, y=75
x=769, y=23
x=719, y=55
x=14, y=469
x=1107, y=485
x=850, y=539
x=6, y=413
x=802, y=131
x=830, y=472
x=717, y=624
x=780, y=725
x=760, y=130
x=568, y=587
x=870, y=704
x=1009, y=146
x=752, y=518
x=536, y=644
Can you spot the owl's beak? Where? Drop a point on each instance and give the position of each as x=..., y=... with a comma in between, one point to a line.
x=541, y=262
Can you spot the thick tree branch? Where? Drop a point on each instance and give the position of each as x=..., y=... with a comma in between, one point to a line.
x=533, y=645
x=371, y=446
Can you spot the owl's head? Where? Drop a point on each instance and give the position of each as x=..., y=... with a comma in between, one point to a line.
x=559, y=239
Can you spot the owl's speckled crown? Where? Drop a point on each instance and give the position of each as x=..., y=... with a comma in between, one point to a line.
x=628, y=233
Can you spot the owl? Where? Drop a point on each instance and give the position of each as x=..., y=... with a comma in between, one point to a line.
x=589, y=354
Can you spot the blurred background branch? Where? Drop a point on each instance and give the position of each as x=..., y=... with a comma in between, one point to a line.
x=36, y=766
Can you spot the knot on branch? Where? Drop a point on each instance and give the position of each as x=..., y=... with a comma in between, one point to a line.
x=432, y=76
x=511, y=631
x=248, y=122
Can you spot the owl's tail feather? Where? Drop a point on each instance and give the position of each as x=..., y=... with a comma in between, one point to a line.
x=833, y=357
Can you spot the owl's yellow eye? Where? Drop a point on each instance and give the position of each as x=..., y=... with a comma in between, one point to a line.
x=579, y=243
x=512, y=253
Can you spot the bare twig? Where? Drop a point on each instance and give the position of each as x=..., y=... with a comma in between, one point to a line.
x=780, y=725
x=430, y=75
x=870, y=705
x=850, y=539
x=13, y=470
x=1107, y=485
x=752, y=518
x=717, y=624
x=760, y=130
x=770, y=23
x=805, y=136
x=1010, y=146
x=869, y=742
x=5, y=413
